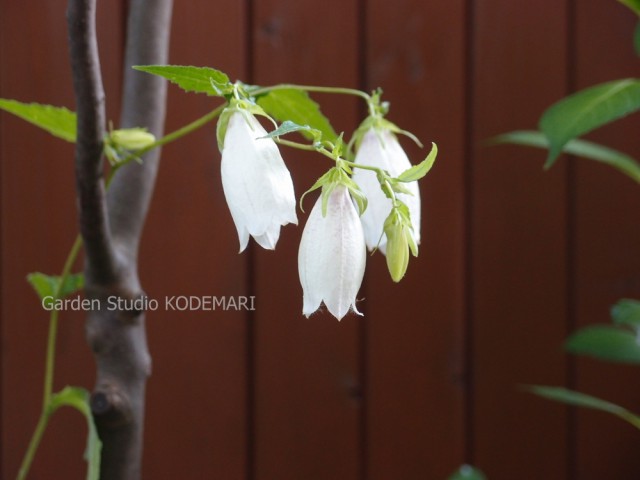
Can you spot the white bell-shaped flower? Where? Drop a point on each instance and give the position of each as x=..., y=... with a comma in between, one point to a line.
x=332, y=256
x=380, y=148
x=256, y=182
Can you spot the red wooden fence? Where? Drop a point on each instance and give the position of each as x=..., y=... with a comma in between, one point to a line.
x=513, y=259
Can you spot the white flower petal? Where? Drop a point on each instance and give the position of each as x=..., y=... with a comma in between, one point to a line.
x=332, y=256
x=381, y=149
x=257, y=185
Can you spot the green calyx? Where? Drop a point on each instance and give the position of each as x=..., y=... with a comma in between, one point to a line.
x=239, y=103
x=338, y=175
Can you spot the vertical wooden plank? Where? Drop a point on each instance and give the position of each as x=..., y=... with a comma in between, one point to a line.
x=306, y=405
x=415, y=409
x=518, y=237
x=38, y=227
x=608, y=240
x=196, y=418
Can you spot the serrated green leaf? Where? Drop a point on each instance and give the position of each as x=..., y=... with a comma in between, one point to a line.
x=296, y=105
x=605, y=342
x=418, y=171
x=78, y=398
x=587, y=110
x=192, y=79
x=467, y=472
x=47, y=285
x=581, y=148
x=571, y=397
x=626, y=313
x=289, y=127
x=634, y=5
x=58, y=121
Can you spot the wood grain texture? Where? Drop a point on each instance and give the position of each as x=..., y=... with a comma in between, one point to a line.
x=414, y=329
x=517, y=242
x=307, y=377
x=199, y=375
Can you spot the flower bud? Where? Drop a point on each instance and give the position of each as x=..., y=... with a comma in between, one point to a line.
x=397, y=228
x=132, y=138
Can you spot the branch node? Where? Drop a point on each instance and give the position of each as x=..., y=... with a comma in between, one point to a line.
x=110, y=407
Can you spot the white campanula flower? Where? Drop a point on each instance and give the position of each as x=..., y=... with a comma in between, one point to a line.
x=257, y=185
x=332, y=255
x=380, y=148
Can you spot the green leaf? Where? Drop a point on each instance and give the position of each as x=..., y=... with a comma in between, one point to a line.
x=605, y=342
x=587, y=110
x=467, y=472
x=626, y=313
x=290, y=127
x=192, y=79
x=418, y=171
x=571, y=397
x=47, y=285
x=78, y=398
x=58, y=121
x=296, y=105
x=632, y=4
x=580, y=148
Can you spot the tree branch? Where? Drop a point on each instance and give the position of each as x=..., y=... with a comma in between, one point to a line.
x=111, y=227
x=143, y=105
x=87, y=83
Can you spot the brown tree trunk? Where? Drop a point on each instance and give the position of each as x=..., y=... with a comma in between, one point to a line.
x=111, y=223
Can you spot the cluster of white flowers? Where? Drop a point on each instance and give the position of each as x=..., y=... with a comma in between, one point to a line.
x=351, y=214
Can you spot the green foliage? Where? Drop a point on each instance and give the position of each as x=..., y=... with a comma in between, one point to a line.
x=192, y=79
x=605, y=342
x=58, y=121
x=289, y=127
x=626, y=313
x=78, y=398
x=296, y=106
x=632, y=4
x=578, y=399
x=581, y=148
x=418, y=171
x=49, y=285
x=587, y=110
x=467, y=472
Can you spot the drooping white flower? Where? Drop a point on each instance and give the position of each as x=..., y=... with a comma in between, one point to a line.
x=332, y=256
x=257, y=185
x=380, y=148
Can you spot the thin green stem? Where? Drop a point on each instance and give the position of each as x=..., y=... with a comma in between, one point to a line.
x=304, y=146
x=33, y=444
x=49, y=364
x=313, y=88
x=53, y=322
x=181, y=132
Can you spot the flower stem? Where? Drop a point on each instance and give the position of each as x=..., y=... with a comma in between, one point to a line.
x=181, y=132
x=313, y=88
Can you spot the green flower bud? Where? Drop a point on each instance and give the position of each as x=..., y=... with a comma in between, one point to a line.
x=132, y=138
x=399, y=242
